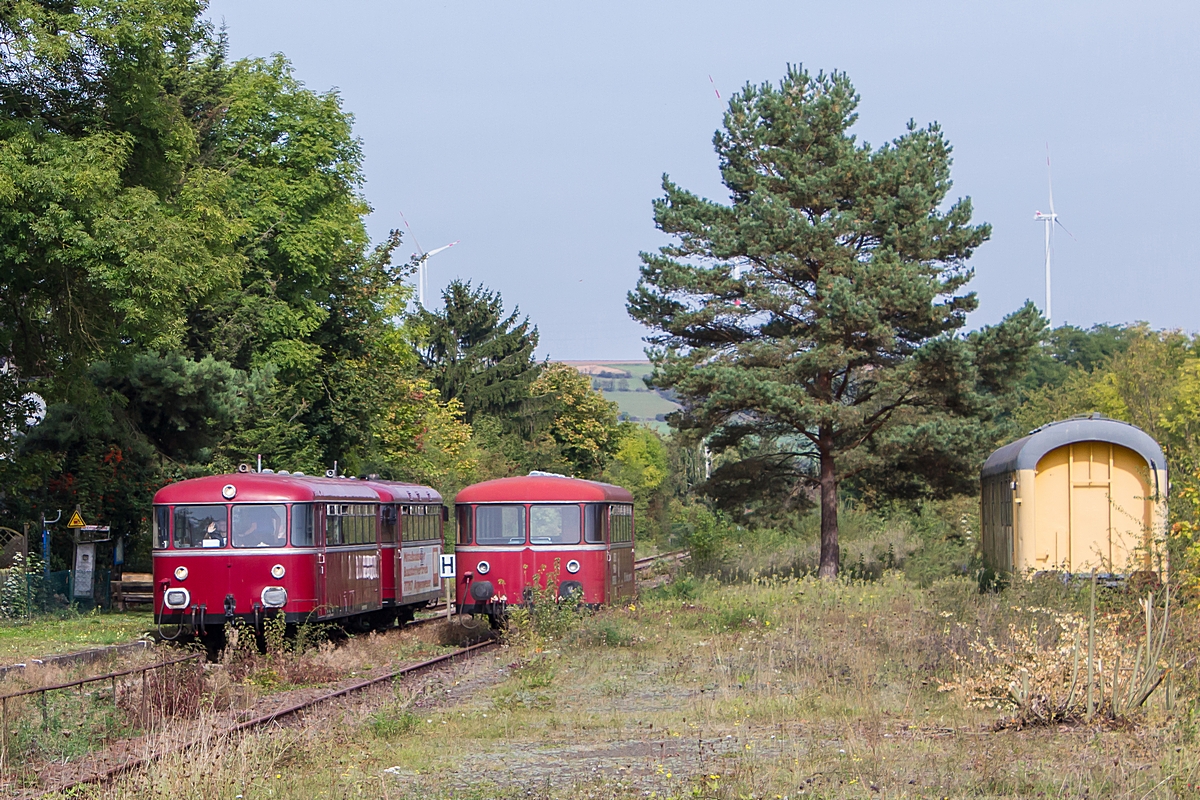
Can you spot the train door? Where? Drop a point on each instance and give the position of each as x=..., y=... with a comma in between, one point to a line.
x=620, y=553
x=389, y=552
x=325, y=605
x=352, y=583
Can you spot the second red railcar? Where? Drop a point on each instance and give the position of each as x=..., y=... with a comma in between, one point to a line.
x=549, y=531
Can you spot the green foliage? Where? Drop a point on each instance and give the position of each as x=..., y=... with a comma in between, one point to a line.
x=472, y=352
x=642, y=464
x=582, y=423
x=812, y=319
x=186, y=271
x=393, y=723
x=545, y=617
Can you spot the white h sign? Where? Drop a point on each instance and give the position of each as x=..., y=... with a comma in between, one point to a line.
x=448, y=567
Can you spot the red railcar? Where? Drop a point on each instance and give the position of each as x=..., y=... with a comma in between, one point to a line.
x=574, y=534
x=411, y=525
x=255, y=543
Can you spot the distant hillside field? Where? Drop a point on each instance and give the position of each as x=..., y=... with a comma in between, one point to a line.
x=639, y=403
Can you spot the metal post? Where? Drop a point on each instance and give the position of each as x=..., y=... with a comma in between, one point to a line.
x=449, y=601
x=46, y=523
x=3, y=733
x=25, y=569
x=145, y=717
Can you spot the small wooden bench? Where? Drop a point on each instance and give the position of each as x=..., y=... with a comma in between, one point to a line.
x=134, y=588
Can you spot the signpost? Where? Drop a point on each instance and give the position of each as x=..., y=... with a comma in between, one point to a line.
x=46, y=523
x=447, y=569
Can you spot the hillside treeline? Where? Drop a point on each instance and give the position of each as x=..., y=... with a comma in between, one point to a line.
x=187, y=283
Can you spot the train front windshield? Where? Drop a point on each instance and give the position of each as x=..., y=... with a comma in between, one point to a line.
x=554, y=524
x=200, y=526
x=500, y=525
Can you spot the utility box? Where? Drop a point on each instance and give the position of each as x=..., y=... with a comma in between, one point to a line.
x=93, y=565
x=1081, y=494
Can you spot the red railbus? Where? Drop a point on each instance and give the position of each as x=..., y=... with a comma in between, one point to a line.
x=252, y=544
x=411, y=527
x=561, y=532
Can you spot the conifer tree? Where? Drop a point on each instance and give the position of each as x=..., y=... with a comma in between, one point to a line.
x=816, y=311
x=472, y=352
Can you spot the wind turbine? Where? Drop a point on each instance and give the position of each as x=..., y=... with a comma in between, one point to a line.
x=1050, y=221
x=422, y=257
x=423, y=270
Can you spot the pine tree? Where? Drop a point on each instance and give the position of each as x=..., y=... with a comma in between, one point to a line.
x=814, y=316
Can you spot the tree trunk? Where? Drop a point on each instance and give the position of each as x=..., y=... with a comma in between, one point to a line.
x=830, y=551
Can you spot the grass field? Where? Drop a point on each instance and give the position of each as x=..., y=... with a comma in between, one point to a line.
x=766, y=689
x=641, y=406
x=42, y=637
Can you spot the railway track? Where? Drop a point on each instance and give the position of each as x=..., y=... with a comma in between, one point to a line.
x=675, y=556
x=110, y=773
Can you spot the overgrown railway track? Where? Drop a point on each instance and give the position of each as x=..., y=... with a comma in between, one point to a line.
x=674, y=556
x=107, y=773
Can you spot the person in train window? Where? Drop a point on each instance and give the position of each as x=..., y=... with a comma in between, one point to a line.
x=258, y=526
x=212, y=536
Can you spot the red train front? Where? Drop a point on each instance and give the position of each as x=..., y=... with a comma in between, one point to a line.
x=251, y=544
x=574, y=534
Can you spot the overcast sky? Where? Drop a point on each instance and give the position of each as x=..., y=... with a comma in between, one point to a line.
x=537, y=133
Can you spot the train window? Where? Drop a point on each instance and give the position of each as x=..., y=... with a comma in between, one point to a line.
x=200, y=526
x=259, y=526
x=500, y=525
x=464, y=524
x=554, y=524
x=420, y=523
x=593, y=524
x=389, y=522
x=162, y=522
x=620, y=524
x=349, y=524
x=333, y=526
x=302, y=525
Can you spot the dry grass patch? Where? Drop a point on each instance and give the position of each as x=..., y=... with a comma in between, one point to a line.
x=770, y=689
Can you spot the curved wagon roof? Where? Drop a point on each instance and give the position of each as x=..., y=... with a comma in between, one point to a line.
x=543, y=488
x=1026, y=452
x=397, y=492
x=266, y=487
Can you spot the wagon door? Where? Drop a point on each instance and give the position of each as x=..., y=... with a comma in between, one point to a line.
x=620, y=553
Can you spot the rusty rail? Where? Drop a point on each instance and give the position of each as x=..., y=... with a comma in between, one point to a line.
x=111, y=677
x=649, y=561
x=266, y=719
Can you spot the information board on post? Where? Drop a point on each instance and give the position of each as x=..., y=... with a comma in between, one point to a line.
x=447, y=569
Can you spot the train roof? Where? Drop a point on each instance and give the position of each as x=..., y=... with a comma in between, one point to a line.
x=1026, y=452
x=266, y=487
x=538, y=488
x=397, y=492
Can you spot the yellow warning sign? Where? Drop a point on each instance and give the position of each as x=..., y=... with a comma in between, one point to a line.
x=76, y=521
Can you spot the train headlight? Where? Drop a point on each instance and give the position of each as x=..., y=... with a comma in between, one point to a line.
x=229, y=491
x=274, y=597
x=177, y=598
x=483, y=567
x=277, y=572
x=572, y=566
x=181, y=573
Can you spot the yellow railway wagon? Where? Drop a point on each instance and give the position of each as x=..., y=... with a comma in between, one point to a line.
x=1076, y=495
